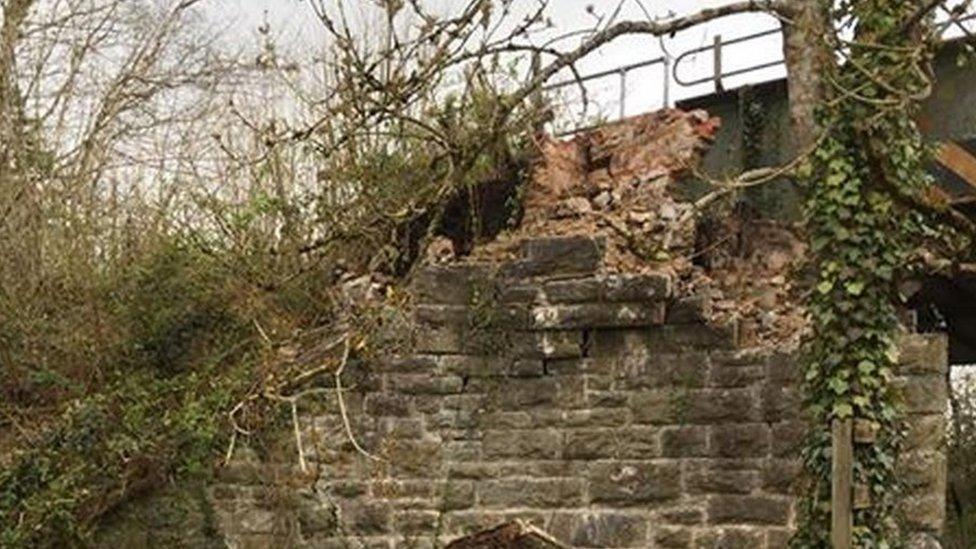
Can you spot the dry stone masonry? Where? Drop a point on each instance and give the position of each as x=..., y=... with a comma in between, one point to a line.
x=600, y=408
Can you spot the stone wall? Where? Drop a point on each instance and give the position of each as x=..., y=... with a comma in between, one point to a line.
x=598, y=407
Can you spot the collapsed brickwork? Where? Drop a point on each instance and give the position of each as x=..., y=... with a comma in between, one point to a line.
x=613, y=372
x=601, y=408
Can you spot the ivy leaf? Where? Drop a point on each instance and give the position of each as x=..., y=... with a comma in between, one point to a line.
x=865, y=367
x=825, y=287
x=854, y=288
x=839, y=386
x=843, y=410
x=892, y=354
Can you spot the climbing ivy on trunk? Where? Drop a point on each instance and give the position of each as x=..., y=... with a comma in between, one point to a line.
x=861, y=179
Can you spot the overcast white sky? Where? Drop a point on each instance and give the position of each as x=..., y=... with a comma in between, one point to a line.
x=295, y=25
x=294, y=22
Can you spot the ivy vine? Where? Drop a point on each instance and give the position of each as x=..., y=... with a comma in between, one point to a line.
x=862, y=240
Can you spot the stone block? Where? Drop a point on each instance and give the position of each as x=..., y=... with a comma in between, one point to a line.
x=530, y=444
x=781, y=403
x=414, y=458
x=568, y=366
x=688, y=515
x=741, y=538
x=596, y=315
x=460, y=523
x=614, y=343
x=591, y=444
x=592, y=417
x=923, y=354
x=462, y=450
x=557, y=257
x=417, y=364
x=922, y=471
x=388, y=404
x=638, y=442
x=672, y=537
x=365, y=517
x=255, y=521
x=600, y=529
x=506, y=420
x=923, y=394
x=441, y=315
x=344, y=488
x=457, y=495
x=556, y=344
x=925, y=431
x=423, y=384
x=450, y=284
x=784, y=369
x=581, y=290
x=473, y=365
x=694, y=309
x=522, y=294
x=674, y=371
x=636, y=288
x=395, y=490
x=706, y=479
x=719, y=406
x=409, y=428
x=315, y=519
x=788, y=438
x=415, y=522
x=605, y=398
x=685, y=441
x=527, y=367
x=734, y=509
x=741, y=440
x=656, y=406
x=681, y=337
x=440, y=340
x=557, y=392
x=924, y=513
x=476, y=470
x=629, y=483
x=530, y=493
x=727, y=376
x=781, y=475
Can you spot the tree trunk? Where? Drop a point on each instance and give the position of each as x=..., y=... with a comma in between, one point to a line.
x=11, y=106
x=808, y=58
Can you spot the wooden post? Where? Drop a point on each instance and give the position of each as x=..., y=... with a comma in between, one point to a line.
x=842, y=477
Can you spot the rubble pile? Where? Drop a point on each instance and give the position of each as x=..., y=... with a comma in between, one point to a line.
x=620, y=181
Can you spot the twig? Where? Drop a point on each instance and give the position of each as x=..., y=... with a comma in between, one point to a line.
x=261, y=331
x=920, y=13
x=751, y=178
x=230, y=447
x=298, y=436
x=342, y=404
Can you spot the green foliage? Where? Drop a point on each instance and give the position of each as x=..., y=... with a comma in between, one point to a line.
x=172, y=303
x=119, y=366
x=862, y=238
x=961, y=450
x=157, y=412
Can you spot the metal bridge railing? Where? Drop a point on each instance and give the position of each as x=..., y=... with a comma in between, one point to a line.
x=671, y=66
